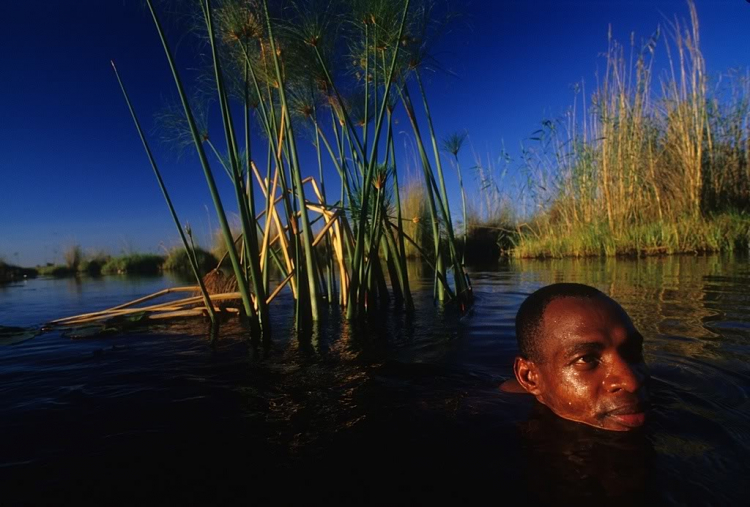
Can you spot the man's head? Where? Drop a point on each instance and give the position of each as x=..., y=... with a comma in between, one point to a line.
x=580, y=355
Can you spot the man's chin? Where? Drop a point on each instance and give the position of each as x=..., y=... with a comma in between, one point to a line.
x=619, y=422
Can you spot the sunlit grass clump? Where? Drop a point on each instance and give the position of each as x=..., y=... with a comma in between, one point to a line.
x=726, y=232
x=178, y=261
x=654, y=162
x=55, y=270
x=92, y=264
x=131, y=264
x=76, y=263
x=415, y=220
x=490, y=236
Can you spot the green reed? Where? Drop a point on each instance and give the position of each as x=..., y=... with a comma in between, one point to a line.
x=188, y=247
x=290, y=70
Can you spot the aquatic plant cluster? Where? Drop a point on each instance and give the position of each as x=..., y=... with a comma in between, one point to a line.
x=335, y=71
x=643, y=171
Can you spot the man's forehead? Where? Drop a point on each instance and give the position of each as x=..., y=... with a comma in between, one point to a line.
x=569, y=304
x=568, y=316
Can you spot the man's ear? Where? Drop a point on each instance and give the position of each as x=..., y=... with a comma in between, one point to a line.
x=527, y=374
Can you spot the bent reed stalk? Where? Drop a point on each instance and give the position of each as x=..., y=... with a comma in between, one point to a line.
x=188, y=246
x=285, y=71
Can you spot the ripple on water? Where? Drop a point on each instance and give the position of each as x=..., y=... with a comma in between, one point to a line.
x=401, y=409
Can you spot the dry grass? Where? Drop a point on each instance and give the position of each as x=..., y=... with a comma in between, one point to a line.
x=630, y=170
x=73, y=256
x=416, y=218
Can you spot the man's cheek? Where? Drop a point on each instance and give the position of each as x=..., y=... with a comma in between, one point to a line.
x=577, y=394
x=576, y=384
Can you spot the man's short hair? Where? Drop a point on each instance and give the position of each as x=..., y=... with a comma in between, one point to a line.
x=531, y=312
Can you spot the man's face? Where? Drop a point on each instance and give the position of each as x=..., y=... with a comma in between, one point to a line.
x=591, y=367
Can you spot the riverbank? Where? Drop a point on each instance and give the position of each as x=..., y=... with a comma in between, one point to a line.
x=655, y=163
x=130, y=264
x=11, y=273
x=725, y=232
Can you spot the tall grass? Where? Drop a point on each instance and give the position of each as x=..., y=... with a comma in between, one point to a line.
x=219, y=245
x=180, y=260
x=415, y=220
x=93, y=262
x=131, y=264
x=650, y=162
x=490, y=217
x=490, y=234
x=335, y=73
x=452, y=144
x=73, y=256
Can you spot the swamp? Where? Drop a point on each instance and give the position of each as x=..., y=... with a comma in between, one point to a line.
x=403, y=410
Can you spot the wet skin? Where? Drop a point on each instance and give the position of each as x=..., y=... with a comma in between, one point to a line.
x=590, y=368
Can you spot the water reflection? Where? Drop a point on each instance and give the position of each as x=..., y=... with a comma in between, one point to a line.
x=36, y=301
x=694, y=313
x=566, y=462
x=75, y=286
x=676, y=301
x=400, y=408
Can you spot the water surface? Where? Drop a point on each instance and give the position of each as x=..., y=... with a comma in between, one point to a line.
x=403, y=409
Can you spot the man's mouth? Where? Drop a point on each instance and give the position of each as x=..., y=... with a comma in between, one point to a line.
x=631, y=416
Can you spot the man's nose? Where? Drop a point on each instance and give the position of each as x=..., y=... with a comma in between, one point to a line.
x=623, y=375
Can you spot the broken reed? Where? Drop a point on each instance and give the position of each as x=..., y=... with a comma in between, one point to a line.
x=643, y=170
x=285, y=72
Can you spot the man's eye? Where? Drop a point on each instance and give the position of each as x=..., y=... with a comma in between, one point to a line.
x=589, y=360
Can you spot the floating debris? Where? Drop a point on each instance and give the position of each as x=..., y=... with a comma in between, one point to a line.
x=10, y=335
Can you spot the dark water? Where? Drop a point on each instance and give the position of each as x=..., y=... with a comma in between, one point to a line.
x=402, y=410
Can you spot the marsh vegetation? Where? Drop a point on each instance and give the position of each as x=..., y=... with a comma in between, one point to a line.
x=335, y=73
x=654, y=162
x=11, y=272
x=636, y=169
x=96, y=263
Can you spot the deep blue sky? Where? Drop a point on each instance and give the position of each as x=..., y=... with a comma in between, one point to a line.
x=73, y=169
